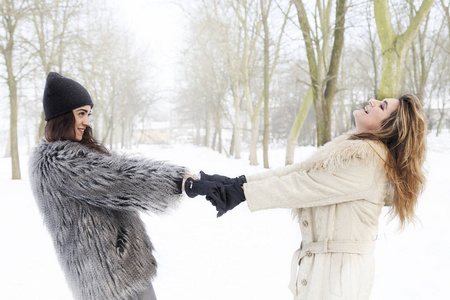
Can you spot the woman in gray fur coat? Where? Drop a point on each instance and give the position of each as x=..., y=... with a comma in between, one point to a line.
x=90, y=199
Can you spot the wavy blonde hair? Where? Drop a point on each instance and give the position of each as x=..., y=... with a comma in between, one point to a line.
x=404, y=134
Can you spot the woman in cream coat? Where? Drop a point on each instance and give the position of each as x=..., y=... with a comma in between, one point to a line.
x=337, y=196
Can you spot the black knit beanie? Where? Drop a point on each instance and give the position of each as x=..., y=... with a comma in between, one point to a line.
x=62, y=94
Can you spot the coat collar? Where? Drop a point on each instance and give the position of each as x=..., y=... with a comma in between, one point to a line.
x=336, y=153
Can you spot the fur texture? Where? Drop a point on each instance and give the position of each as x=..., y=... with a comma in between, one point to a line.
x=335, y=154
x=90, y=203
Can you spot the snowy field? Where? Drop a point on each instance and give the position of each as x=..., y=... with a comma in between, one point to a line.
x=240, y=256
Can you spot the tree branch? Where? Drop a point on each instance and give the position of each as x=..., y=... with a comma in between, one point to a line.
x=385, y=29
x=306, y=31
x=407, y=37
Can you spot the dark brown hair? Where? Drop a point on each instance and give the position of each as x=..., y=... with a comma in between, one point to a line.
x=62, y=128
x=404, y=134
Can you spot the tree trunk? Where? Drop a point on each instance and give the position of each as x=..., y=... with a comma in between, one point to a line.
x=208, y=129
x=117, y=136
x=266, y=133
x=333, y=72
x=297, y=127
x=15, y=164
x=254, y=117
x=254, y=141
x=323, y=120
x=441, y=120
x=219, y=136
x=10, y=17
x=391, y=73
x=214, y=138
x=237, y=122
x=232, y=144
x=324, y=86
x=394, y=47
x=41, y=127
x=250, y=36
x=111, y=133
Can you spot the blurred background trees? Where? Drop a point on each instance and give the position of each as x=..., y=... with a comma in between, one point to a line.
x=250, y=74
x=334, y=56
x=80, y=39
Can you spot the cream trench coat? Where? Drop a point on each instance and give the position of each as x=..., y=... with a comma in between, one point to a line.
x=337, y=196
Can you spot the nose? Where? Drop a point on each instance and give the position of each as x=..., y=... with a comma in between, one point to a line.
x=373, y=102
x=86, y=122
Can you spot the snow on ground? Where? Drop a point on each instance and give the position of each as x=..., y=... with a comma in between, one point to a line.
x=240, y=256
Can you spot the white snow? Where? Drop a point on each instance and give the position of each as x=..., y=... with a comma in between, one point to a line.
x=241, y=255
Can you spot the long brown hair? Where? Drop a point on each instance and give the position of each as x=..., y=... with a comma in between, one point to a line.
x=62, y=128
x=404, y=134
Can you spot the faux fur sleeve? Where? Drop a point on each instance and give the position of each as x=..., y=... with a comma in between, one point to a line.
x=76, y=173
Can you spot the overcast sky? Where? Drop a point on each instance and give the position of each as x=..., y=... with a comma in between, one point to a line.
x=159, y=24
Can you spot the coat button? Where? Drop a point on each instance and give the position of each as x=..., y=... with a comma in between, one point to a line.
x=304, y=282
x=308, y=253
x=305, y=223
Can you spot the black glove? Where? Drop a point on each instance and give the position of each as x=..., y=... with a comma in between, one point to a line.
x=223, y=196
x=214, y=192
x=234, y=196
x=222, y=179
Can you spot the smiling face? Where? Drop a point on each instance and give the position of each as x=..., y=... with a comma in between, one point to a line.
x=81, y=115
x=369, y=118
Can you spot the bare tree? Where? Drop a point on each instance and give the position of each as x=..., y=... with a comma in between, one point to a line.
x=228, y=34
x=441, y=91
x=424, y=50
x=322, y=69
x=209, y=71
x=51, y=25
x=12, y=13
x=269, y=69
x=250, y=21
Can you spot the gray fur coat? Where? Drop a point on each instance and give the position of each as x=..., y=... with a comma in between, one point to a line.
x=90, y=204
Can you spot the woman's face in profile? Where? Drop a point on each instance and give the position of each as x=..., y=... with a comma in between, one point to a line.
x=81, y=115
x=370, y=117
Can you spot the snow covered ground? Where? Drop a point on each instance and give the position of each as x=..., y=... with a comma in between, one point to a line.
x=241, y=255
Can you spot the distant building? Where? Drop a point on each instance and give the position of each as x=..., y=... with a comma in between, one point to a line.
x=155, y=133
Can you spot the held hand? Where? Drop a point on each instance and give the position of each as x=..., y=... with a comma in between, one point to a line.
x=185, y=177
x=223, y=196
x=233, y=195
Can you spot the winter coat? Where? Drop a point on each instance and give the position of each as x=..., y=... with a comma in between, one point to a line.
x=90, y=203
x=337, y=196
